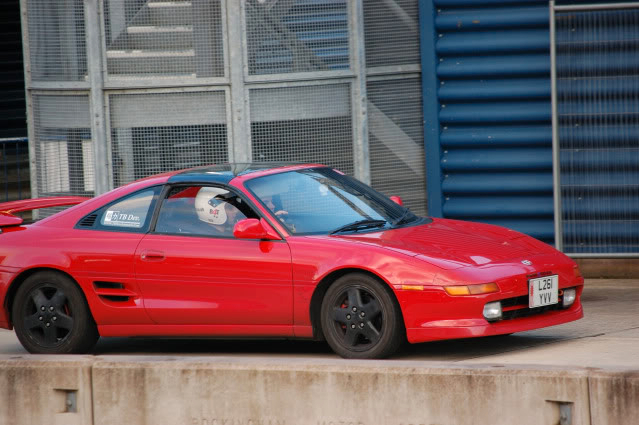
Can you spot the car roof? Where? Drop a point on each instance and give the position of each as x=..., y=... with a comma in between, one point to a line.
x=224, y=173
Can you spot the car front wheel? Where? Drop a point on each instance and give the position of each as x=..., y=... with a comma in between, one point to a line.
x=360, y=318
x=51, y=316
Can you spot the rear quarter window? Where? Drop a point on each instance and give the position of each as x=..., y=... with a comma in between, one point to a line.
x=129, y=214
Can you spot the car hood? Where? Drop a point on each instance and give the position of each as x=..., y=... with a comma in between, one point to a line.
x=451, y=244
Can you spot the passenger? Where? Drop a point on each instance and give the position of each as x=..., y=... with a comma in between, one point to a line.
x=213, y=209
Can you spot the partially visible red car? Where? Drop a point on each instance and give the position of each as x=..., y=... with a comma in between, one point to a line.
x=261, y=250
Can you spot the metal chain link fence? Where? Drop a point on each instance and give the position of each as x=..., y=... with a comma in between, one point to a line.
x=597, y=83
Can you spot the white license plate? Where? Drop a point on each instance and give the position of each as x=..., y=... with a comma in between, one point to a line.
x=543, y=291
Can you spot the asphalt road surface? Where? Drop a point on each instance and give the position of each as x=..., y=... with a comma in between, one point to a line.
x=608, y=336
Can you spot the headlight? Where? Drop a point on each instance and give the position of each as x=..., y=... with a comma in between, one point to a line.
x=492, y=311
x=569, y=297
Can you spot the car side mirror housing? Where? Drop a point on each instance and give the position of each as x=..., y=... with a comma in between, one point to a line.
x=397, y=200
x=252, y=228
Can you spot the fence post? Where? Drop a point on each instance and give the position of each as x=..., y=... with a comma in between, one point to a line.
x=102, y=158
x=556, y=178
x=240, y=141
x=361, y=156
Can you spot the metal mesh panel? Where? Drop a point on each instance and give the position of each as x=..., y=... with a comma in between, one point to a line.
x=57, y=47
x=297, y=35
x=391, y=32
x=303, y=124
x=63, y=145
x=396, y=139
x=161, y=38
x=157, y=132
x=598, y=106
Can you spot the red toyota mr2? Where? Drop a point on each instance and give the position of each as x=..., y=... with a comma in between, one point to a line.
x=262, y=250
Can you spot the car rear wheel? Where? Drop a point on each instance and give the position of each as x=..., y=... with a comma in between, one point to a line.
x=51, y=316
x=360, y=318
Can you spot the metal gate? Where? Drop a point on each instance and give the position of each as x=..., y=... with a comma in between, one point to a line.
x=596, y=128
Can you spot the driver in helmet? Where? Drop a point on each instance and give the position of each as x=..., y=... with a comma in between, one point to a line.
x=213, y=207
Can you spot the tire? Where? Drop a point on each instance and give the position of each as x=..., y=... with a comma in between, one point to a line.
x=361, y=319
x=51, y=316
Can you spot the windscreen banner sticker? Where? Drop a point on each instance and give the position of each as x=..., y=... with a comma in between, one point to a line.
x=117, y=218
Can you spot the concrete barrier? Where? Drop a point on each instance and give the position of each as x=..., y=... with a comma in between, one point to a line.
x=198, y=392
x=248, y=391
x=614, y=397
x=45, y=390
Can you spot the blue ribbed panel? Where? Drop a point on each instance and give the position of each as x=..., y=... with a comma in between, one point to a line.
x=476, y=42
x=494, y=112
x=495, y=159
x=598, y=115
x=513, y=88
x=514, y=183
x=495, y=115
x=515, y=65
x=492, y=18
x=497, y=136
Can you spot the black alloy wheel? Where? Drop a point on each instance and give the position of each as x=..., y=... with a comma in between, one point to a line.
x=51, y=316
x=361, y=319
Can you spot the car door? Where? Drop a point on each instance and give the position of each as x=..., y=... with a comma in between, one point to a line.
x=191, y=274
x=104, y=244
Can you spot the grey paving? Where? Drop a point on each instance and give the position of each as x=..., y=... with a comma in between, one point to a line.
x=608, y=336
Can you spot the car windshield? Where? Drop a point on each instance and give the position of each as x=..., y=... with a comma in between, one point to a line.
x=324, y=201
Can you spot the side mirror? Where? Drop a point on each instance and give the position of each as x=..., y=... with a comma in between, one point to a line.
x=397, y=200
x=252, y=228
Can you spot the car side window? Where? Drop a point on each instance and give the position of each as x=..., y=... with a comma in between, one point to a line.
x=129, y=213
x=201, y=211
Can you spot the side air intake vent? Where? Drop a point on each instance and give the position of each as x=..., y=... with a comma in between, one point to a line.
x=115, y=298
x=107, y=285
x=88, y=221
x=114, y=292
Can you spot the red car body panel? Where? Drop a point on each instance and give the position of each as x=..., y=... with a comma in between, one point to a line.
x=208, y=281
x=139, y=284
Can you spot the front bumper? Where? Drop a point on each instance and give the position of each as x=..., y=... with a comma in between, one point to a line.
x=431, y=314
x=470, y=328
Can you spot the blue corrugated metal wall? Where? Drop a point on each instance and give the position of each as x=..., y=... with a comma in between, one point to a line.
x=486, y=68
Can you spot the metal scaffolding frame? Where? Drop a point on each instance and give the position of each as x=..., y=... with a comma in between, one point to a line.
x=115, y=33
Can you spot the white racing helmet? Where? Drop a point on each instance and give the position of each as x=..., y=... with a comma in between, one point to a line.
x=209, y=205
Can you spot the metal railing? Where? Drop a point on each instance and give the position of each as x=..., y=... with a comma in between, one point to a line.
x=14, y=169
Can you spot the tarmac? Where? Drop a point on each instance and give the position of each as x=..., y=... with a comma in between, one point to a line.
x=584, y=372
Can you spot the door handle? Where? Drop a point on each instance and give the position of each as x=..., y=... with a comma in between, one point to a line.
x=151, y=255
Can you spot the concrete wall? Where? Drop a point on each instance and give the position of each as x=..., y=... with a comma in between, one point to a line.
x=609, y=268
x=245, y=391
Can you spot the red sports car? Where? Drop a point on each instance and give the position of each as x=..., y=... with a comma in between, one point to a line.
x=263, y=250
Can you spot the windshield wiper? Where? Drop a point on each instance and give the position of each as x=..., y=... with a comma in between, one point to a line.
x=403, y=218
x=360, y=225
